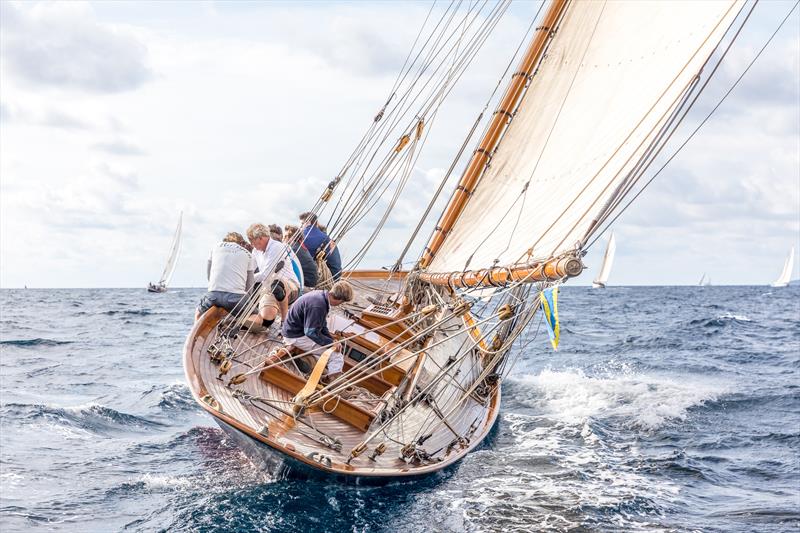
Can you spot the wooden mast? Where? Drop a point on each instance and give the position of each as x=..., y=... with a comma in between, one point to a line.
x=500, y=119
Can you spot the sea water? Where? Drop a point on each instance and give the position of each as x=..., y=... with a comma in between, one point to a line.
x=665, y=408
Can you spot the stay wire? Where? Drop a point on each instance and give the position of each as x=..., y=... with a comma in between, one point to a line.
x=699, y=126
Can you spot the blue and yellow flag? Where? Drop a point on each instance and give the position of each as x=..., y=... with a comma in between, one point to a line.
x=549, y=298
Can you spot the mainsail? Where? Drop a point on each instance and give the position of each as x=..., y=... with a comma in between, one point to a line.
x=608, y=261
x=786, y=273
x=611, y=77
x=172, y=258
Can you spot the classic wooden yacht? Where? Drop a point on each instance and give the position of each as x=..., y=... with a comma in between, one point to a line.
x=598, y=91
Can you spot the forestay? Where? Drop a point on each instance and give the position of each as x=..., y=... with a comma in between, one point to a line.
x=610, y=79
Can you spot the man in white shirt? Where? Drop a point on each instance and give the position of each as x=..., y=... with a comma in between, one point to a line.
x=230, y=275
x=279, y=285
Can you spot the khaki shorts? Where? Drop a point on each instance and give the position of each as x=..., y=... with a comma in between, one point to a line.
x=335, y=361
x=267, y=299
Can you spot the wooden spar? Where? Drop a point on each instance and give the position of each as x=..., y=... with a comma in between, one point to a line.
x=555, y=269
x=480, y=157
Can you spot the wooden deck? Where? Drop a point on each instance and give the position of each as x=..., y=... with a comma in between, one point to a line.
x=323, y=436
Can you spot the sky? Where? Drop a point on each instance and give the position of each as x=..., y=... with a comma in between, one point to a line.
x=116, y=116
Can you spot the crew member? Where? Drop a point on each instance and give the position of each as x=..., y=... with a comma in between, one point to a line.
x=317, y=241
x=306, y=326
x=279, y=286
x=230, y=275
x=307, y=263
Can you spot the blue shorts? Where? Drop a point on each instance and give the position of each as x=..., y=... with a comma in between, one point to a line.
x=334, y=262
x=225, y=300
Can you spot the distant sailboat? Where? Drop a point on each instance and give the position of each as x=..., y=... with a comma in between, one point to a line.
x=786, y=273
x=172, y=260
x=608, y=260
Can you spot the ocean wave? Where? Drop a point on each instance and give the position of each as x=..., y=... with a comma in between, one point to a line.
x=90, y=417
x=725, y=319
x=34, y=342
x=138, y=312
x=556, y=471
x=172, y=398
x=642, y=400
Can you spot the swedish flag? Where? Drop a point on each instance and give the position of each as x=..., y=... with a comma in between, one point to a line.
x=549, y=298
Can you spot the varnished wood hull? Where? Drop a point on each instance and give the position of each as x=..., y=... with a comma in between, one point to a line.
x=293, y=448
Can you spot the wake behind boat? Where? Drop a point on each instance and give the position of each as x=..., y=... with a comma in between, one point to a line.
x=426, y=350
x=172, y=261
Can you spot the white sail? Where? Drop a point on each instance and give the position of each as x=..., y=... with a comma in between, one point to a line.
x=786, y=273
x=608, y=261
x=172, y=259
x=610, y=79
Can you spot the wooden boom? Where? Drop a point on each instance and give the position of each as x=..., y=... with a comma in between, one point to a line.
x=553, y=270
x=500, y=119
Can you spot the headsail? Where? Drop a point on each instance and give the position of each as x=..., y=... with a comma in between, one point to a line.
x=613, y=74
x=786, y=273
x=172, y=259
x=608, y=261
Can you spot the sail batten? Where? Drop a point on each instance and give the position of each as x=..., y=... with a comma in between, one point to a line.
x=612, y=78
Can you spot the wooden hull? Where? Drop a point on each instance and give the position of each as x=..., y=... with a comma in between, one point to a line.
x=282, y=466
x=264, y=428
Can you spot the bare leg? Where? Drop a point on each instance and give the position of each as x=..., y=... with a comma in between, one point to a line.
x=268, y=313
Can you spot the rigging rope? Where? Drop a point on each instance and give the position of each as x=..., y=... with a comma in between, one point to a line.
x=699, y=126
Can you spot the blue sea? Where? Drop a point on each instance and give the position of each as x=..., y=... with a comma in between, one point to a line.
x=664, y=409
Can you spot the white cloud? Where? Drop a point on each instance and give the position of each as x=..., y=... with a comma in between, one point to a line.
x=60, y=45
x=119, y=147
x=256, y=106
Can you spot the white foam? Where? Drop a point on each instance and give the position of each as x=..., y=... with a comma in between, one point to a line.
x=83, y=408
x=10, y=481
x=731, y=316
x=646, y=400
x=160, y=482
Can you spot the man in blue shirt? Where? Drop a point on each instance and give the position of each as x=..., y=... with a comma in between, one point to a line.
x=306, y=325
x=317, y=240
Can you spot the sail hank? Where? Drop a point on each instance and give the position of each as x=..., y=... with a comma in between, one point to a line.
x=612, y=76
x=172, y=258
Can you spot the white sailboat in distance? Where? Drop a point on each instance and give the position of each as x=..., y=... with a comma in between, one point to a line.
x=608, y=260
x=786, y=273
x=172, y=261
